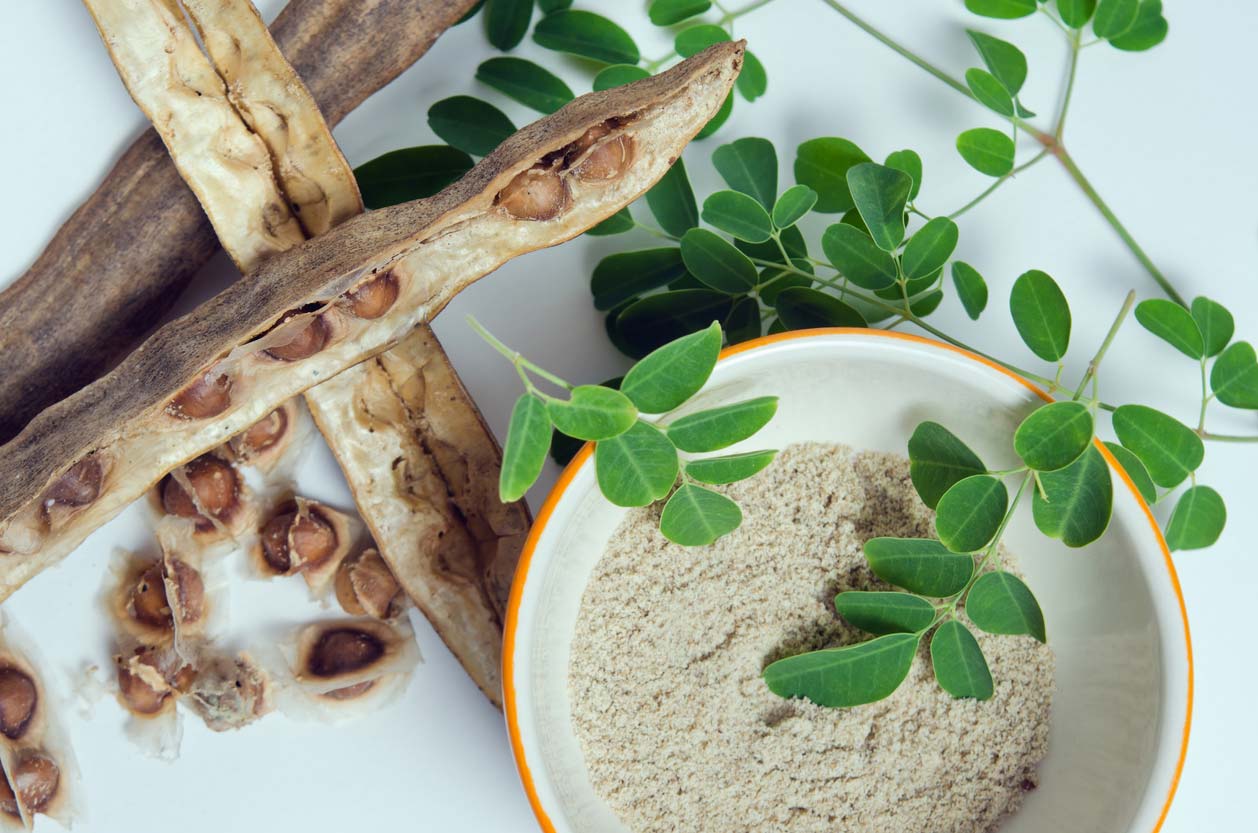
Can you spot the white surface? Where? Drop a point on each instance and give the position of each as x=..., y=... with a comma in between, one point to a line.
x=1166, y=136
x=1113, y=616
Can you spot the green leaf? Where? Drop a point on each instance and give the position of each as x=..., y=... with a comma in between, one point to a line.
x=971, y=288
x=617, y=75
x=989, y=91
x=669, y=12
x=749, y=166
x=507, y=21
x=752, y=81
x=1197, y=521
x=794, y=203
x=655, y=320
x=929, y=248
x=1215, y=323
x=1076, y=13
x=938, y=461
x=695, y=516
x=792, y=240
x=528, y=438
x=586, y=35
x=618, y=223
x=695, y=39
x=743, y=322
x=1148, y=31
x=773, y=282
x=620, y=277
x=722, y=115
x=548, y=6
x=845, y=677
x=881, y=612
x=909, y=163
x=673, y=373
x=1114, y=17
x=822, y=165
x=986, y=150
x=721, y=427
x=1136, y=471
x=1001, y=603
x=855, y=254
x=1003, y=60
x=738, y=215
x=469, y=124
x=880, y=194
x=928, y=303
x=592, y=412
x=919, y=565
x=1076, y=502
x=470, y=13
x=958, y=662
x=970, y=513
x=801, y=308
x=526, y=82
x=730, y=468
x=410, y=174
x=1173, y=324
x=714, y=261
x=1041, y=314
x=636, y=468
x=563, y=448
x=672, y=201
x=1003, y=9
x=1054, y=435
x=1169, y=449
x=1234, y=377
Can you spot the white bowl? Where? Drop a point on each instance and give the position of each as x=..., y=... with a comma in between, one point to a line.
x=1115, y=614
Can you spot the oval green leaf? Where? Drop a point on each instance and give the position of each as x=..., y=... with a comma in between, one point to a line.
x=1197, y=520
x=958, y=662
x=802, y=308
x=1076, y=13
x=1054, y=435
x=737, y=215
x=1173, y=324
x=880, y=612
x=470, y=124
x=989, y=91
x=528, y=439
x=672, y=201
x=880, y=194
x=986, y=150
x=620, y=277
x=670, y=12
x=695, y=516
x=1114, y=17
x=714, y=261
x=592, y=412
x=743, y=322
x=910, y=163
x=1215, y=322
x=1041, y=314
x=1169, y=449
x=794, y=203
x=969, y=514
x=1001, y=9
x=752, y=81
x=971, y=288
x=586, y=35
x=636, y=468
x=673, y=373
x=749, y=166
x=845, y=677
x=410, y=174
x=655, y=320
x=854, y=253
x=532, y=85
x=618, y=223
x=695, y=39
x=507, y=21
x=822, y=164
x=1076, y=502
x=1234, y=377
x=717, y=428
x=1002, y=59
x=617, y=75
x=929, y=248
x=1148, y=31
x=919, y=565
x=938, y=460
x=926, y=304
x=1136, y=472
x=730, y=468
x=1001, y=603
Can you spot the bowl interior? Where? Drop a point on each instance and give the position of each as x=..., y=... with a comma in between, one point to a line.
x=1113, y=609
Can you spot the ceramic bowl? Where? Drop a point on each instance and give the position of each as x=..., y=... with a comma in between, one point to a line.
x=1115, y=614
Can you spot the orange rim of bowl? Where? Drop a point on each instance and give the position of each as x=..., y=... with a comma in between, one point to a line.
x=570, y=472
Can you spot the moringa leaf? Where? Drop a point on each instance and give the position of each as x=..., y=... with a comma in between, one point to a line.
x=1136, y=471
x=1077, y=501
x=971, y=288
x=532, y=85
x=880, y=612
x=938, y=461
x=1197, y=520
x=619, y=223
x=695, y=516
x=775, y=281
x=1001, y=603
x=738, y=215
x=624, y=276
x=1169, y=449
x=617, y=75
x=749, y=166
x=586, y=35
x=1076, y=13
x=1041, y=314
x=989, y=91
x=592, y=412
x=800, y=308
x=410, y=174
x=470, y=124
x=791, y=207
x=1002, y=9
x=672, y=201
x=1234, y=377
x=528, y=438
x=880, y=194
x=743, y=322
x=729, y=468
x=673, y=373
x=854, y=253
x=1173, y=324
x=1149, y=29
x=822, y=164
x=695, y=39
x=714, y=261
x=987, y=151
x=929, y=248
x=721, y=427
x=655, y=320
x=670, y=12
x=548, y=6
x=845, y=677
x=1215, y=322
x=1054, y=435
x=722, y=115
x=752, y=81
x=507, y=22
x=958, y=662
x=910, y=163
x=919, y=565
x=636, y=468
x=1002, y=59
x=970, y=513
x=1114, y=17
x=928, y=303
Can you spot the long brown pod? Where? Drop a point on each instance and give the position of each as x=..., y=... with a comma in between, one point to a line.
x=212, y=373
x=120, y=262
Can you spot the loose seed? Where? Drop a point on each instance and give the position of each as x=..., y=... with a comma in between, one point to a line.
x=215, y=483
x=140, y=696
x=146, y=601
x=37, y=777
x=343, y=651
x=18, y=701
x=189, y=590
x=305, y=535
x=366, y=586
x=374, y=298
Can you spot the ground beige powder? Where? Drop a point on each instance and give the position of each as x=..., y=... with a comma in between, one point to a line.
x=680, y=732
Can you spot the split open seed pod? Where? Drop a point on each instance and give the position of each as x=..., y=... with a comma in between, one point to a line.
x=209, y=491
x=272, y=442
x=365, y=586
x=307, y=537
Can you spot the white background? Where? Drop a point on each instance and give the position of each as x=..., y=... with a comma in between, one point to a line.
x=1167, y=137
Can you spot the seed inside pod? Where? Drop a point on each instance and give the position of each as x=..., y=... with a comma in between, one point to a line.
x=215, y=482
x=608, y=159
x=18, y=700
x=142, y=695
x=146, y=600
x=310, y=340
x=208, y=396
x=8, y=801
x=535, y=194
x=263, y=434
x=36, y=777
x=79, y=486
x=306, y=535
x=189, y=590
x=365, y=585
x=343, y=651
x=374, y=298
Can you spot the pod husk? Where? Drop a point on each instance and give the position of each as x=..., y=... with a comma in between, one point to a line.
x=434, y=508
x=124, y=257
x=433, y=247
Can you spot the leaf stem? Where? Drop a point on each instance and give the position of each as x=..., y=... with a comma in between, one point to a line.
x=1095, y=364
x=730, y=16
x=1226, y=438
x=988, y=553
x=515, y=358
x=1070, y=83
x=1205, y=398
x=999, y=182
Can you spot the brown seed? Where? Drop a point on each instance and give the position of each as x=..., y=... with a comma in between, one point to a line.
x=607, y=160
x=139, y=695
x=146, y=600
x=365, y=585
x=351, y=691
x=215, y=483
x=18, y=700
x=36, y=777
x=310, y=537
x=264, y=433
x=312, y=338
x=8, y=801
x=374, y=298
x=343, y=651
x=77, y=487
x=535, y=194
x=189, y=590
x=183, y=678
x=208, y=396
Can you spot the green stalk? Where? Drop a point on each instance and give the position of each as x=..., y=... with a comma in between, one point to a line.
x=1070, y=85
x=1093, y=365
x=515, y=358
x=999, y=182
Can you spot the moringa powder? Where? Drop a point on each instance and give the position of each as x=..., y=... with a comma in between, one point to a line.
x=681, y=734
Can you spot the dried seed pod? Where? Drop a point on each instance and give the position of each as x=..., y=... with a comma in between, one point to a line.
x=308, y=537
x=375, y=297
x=536, y=194
x=365, y=586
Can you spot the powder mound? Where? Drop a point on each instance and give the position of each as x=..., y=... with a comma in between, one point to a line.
x=681, y=734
